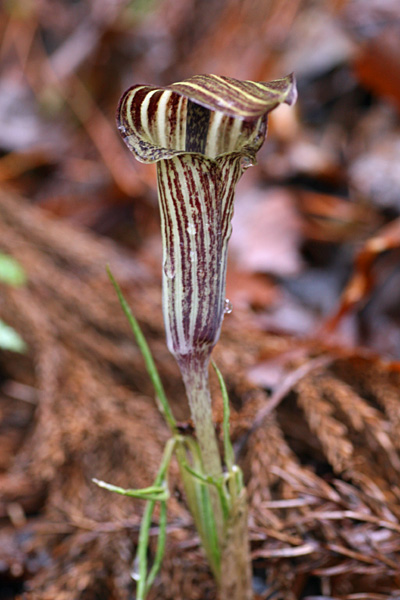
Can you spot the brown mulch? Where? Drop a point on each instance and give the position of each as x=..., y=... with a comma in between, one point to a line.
x=322, y=463
x=315, y=407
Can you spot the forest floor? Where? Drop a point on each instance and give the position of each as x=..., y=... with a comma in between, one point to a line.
x=310, y=352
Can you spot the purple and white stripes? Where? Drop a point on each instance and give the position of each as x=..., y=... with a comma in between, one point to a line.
x=197, y=131
x=196, y=199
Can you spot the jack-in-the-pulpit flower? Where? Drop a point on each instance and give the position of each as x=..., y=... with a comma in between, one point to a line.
x=202, y=133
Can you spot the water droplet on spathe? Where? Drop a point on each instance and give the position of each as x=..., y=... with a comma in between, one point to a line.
x=135, y=574
x=228, y=308
x=192, y=256
x=169, y=269
x=191, y=229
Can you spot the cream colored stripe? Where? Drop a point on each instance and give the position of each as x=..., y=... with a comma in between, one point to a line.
x=223, y=135
x=160, y=135
x=209, y=253
x=265, y=87
x=172, y=284
x=162, y=187
x=214, y=134
x=127, y=107
x=221, y=100
x=180, y=129
x=237, y=90
x=231, y=91
x=234, y=134
x=181, y=236
x=177, y=299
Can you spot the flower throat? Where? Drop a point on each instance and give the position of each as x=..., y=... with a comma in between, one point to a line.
x=197, y=122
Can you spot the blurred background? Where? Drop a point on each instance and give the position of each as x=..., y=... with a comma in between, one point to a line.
x=328, y=176
x=327, y=181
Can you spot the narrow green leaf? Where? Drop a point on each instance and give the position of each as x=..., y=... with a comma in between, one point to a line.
x=153, y=492
x=141, y=557
x=10, y=339
x=193, y=492
x=209, y=480
x=205, y=479
x=162, y=538
x=11, y=271
x=200, y=506
x=228, y=449
x=148, y=358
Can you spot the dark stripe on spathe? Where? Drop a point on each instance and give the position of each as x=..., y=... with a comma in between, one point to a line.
x=136, y=105
x=197, y=122
x=153, y=106
x=172, y=109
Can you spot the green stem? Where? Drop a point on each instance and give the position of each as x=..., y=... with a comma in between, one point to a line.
x=195, y=377
x=199, y=502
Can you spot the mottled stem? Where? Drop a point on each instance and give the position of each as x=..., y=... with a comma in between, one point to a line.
x=194, y=371
x=236, y=575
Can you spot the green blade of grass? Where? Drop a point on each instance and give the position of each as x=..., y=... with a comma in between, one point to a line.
x=198, y=496
x=162, y=537
x=142, y=578
x=150, y=493
x=141, y=590
x=148, y=358
x=208, y=480
x=228, y=449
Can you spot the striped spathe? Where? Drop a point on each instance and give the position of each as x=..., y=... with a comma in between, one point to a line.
x=154, y=121
x=201, y=132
